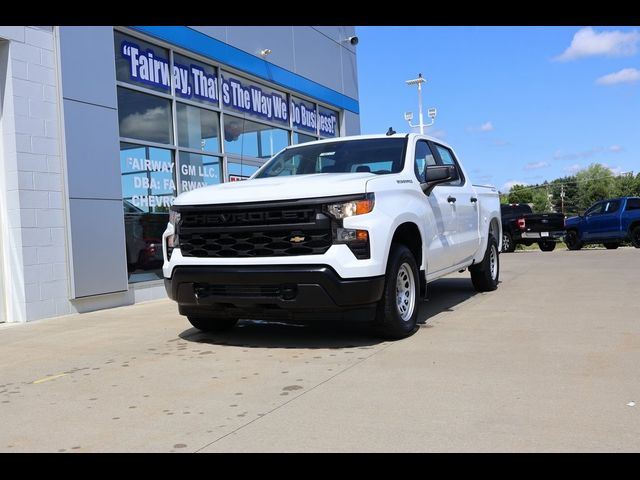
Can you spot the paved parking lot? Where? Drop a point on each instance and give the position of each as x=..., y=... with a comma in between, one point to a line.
x=548, y=362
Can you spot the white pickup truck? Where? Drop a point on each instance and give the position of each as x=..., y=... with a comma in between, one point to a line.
x=352, y=228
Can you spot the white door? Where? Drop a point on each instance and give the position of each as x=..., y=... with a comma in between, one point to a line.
x=440, y=223
x=463, y=200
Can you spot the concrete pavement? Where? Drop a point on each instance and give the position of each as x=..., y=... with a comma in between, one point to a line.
x=548, y=362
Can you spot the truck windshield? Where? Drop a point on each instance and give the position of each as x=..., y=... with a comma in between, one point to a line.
x=375, y=155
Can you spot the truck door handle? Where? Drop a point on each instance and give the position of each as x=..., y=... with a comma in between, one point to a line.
x=451, y=199
x=473, y=199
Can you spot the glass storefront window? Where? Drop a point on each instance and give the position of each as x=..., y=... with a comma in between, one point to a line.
x=246, y=138
x=328, y=122
x=195, y=80
x=302, y=138
x=198, y=128
x=240, y=171
x=144, y=117
x=254, y=100
x=148, y=190
x=142, y=64
x=198, y=171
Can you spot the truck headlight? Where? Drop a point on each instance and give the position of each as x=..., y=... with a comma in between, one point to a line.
x=174, y=218
x=351, y=208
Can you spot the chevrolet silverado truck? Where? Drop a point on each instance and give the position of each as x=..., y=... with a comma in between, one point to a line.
x=610, y=222
x=352, y=228
x=521, y=225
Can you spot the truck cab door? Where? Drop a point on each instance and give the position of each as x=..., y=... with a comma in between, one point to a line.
x=463, y=200
x=440, y=228
x=591, y=224
x=609, y=221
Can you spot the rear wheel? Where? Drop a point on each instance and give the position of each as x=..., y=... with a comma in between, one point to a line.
x=548, y=246
x=484, y=275
x=572, y=241
x=397, y=312
x=635, y=236
x=207, y=324
x=611, y=245
x=507, y=243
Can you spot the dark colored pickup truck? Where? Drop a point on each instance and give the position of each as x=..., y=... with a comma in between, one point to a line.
x=521, y=225
x=610, y=222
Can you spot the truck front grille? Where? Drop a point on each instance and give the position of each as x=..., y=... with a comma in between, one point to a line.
x=254, y=244
x=259, y=232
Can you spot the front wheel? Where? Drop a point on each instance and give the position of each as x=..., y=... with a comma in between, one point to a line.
x=397, y=312
x=484, y=275
x=548, y=246
x=611, y=245
x=572, y=241
x=635, y=236
x=207, y=324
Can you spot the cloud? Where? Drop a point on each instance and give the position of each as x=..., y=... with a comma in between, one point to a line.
x=508, y=185
x=616, y=149
x=485, y=127
x=576, y=167
x=588, y=43
x=536, y=165
x=615, y=170
x=559, y=155
x=150, y=124
x=626, y=75
x=501, y=143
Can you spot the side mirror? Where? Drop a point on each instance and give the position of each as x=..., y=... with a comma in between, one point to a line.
x=437, y=174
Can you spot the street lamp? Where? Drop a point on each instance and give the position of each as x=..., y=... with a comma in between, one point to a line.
x=408, y=116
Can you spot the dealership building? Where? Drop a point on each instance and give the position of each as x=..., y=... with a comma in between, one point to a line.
x=101, y=128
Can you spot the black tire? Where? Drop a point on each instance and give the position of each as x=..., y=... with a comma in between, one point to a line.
x=635, y=236
x=485, y=274
x=572, y=241
x=611, y=245
x=207, y=324
x=547, y=246
x=507, y=243
x=393, y=319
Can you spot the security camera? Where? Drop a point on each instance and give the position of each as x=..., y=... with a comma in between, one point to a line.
x=353, y=40
x=408, y=116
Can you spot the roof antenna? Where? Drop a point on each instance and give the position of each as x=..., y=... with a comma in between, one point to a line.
x=390, y=132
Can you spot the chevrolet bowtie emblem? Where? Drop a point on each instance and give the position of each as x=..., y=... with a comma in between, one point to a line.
x=296, y=239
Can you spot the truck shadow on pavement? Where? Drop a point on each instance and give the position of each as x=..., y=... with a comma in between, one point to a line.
x=443, y=294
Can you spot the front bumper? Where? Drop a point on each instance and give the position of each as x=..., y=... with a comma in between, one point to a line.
x=273, y=292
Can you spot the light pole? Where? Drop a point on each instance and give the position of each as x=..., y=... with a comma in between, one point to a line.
x=432, y=111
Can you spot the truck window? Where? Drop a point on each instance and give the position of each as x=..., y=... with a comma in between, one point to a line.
x=447, y=158
x=595, y=210
x=423, y=157
x=519, y=209
x=379, y=155
x=633, y=204
x=612, y=206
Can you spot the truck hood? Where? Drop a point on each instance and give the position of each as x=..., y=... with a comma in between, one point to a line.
x=278, y=188
x=573, y=220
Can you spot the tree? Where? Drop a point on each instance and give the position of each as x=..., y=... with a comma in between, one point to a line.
x=594, y=183
x=521, y=194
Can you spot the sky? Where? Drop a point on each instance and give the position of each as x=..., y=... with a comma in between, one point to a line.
x=517, y=104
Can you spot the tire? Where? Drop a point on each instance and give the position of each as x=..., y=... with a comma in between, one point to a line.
x=507, y=243
x=611, y=245
x=397, y=311
x=572, y=241
x=207, y=324
x=485, y=274
x=548, y=246
x=635, y=236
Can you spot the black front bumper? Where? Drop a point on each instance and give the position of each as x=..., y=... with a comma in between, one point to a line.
x=288, y=292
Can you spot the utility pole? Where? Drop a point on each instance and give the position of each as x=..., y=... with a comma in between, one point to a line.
x=562, y=197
